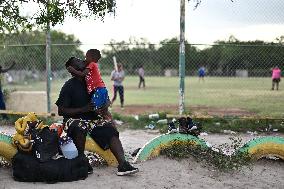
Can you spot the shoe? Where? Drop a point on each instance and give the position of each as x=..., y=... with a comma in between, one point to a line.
x=126, y=169
x=193, y=128
x=183, y=125
x=172, y=128
x=190, y=124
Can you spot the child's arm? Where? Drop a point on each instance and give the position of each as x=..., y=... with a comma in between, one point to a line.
x=78, y=73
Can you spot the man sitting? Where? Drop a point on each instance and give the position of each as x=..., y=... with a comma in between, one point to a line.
x=74, y=103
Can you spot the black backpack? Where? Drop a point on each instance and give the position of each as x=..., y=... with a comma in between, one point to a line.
x=45, y=144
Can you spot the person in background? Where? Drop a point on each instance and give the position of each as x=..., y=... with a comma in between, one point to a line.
x=201, y=73
x=276, y=77
x=141, y=74
x=117, y=76
x=2, y=101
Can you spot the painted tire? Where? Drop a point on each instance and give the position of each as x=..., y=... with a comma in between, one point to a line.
x=154, y=146
x=107, y=155
x=7, y=150
x=264, y=147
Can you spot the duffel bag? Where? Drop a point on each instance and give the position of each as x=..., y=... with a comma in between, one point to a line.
x=26, y=168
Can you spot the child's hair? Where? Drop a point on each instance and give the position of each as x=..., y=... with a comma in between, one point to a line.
x=95, y=54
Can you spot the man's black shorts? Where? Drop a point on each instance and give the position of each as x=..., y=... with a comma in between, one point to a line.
x=102, y=135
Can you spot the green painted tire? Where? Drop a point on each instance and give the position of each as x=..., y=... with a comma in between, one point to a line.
x=153, y=148
x=264, y=147
x=7, y=150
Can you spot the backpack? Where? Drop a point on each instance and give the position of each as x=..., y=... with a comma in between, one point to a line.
x=45, y=144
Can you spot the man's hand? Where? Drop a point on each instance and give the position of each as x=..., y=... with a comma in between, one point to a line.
x=70, y=69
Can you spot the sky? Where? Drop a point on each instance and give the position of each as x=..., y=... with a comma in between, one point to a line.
x=156, y=20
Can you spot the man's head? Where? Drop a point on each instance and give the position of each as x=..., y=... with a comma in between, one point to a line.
x=93, y=55
x=76, y=63
x=119, y=66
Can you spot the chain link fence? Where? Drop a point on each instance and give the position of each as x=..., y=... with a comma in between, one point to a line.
x=237, y=74
x=220, y=60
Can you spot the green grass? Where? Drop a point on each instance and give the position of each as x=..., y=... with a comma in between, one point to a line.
x=251, y=94
x=211, y=125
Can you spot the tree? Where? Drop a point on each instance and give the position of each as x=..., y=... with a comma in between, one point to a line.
x=28, y=49
x=54, y=12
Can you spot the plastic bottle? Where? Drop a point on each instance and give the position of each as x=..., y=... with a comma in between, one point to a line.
x=154, y=116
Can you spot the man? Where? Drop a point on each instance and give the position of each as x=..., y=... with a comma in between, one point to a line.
x=74, y=103
x=201, y=73
x=141, y=74
x=2, y=102
x=117, y=76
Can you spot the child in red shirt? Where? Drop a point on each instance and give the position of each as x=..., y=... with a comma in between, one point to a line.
x=95, y=85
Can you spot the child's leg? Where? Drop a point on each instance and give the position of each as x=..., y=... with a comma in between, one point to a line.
x=273, y=83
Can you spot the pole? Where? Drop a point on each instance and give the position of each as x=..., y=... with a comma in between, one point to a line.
x=47, y=58
x=182, y=57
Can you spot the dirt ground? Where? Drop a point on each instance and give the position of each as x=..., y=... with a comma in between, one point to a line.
x=165, y=173
x=173, y=109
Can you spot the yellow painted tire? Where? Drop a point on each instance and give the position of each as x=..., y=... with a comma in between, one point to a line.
x=7, y=150
x=107, y=155
x=264, y=147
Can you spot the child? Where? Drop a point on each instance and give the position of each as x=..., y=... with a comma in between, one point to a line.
x=276, y=77
x=95, y=85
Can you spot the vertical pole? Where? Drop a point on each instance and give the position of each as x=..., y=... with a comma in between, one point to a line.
x=182, y=57
x=48, y=60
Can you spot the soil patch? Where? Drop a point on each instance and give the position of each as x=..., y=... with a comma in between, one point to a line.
x=173, y=109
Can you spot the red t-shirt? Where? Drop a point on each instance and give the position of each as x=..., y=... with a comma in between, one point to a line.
x=93, y=78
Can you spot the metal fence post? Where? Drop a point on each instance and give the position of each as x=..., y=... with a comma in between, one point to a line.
x=48, y=60
x=182, y=56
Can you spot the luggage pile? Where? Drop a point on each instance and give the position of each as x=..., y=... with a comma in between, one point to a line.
x=45, y=154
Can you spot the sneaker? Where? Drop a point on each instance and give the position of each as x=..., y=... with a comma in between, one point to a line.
x=126, y=169
x=172, y=128
x=193, y=128
x=183, y=125
x=191, y=125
